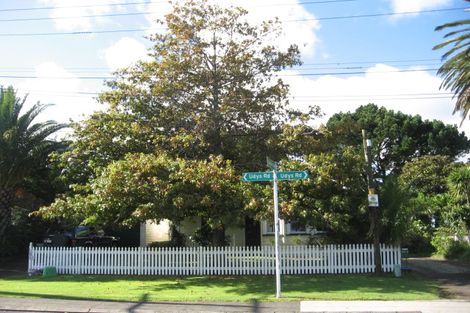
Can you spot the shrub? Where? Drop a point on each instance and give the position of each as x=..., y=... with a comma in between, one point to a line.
x=419, y=244
x=457, y=249
x=445, y=243
x=465, y=256
x=442, y=241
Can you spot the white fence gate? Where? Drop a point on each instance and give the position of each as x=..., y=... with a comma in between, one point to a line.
x=327, y=259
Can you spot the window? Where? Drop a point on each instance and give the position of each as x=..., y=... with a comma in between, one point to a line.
x=297, y=228
x=268, y=227
x=284, y=228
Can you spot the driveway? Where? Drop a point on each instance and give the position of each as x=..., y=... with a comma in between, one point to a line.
x=454, y=278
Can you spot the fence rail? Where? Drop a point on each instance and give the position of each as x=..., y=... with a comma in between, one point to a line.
x=327, y=259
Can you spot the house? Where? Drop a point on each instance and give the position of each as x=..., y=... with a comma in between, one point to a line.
x=253, y=233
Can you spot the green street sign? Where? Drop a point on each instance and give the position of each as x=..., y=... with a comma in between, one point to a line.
x=296, y=175
x=268, y=176
x=258, y=176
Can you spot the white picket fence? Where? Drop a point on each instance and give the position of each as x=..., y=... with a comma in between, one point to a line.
x=327, y=259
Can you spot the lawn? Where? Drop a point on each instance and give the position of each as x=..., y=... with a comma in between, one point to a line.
x=239, y=288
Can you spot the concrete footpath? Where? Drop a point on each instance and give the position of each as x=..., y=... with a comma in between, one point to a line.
x=436, y=306
x=8, y=305
x=81, y=306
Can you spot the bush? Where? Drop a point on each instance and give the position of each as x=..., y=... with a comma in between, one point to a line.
x=447, y=246
x=419, y=245
x=465, y=256
x=442, y=243
x=457, y=249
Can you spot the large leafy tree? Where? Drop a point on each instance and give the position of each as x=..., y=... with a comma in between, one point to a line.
x=397, y=137
x=209, y=92
x=24, y=146
x=211, y=84
x=455, y=70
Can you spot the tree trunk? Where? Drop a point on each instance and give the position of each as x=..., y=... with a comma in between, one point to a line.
x=218, y=236
x=6, y=200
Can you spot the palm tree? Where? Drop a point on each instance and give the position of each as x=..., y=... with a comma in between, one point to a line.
x=456, y=68
x=23, y=145
x=459, y=183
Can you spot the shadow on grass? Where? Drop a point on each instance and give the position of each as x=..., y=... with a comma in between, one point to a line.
x=356, y=287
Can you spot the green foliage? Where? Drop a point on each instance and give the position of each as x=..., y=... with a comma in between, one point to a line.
x=465, y=256
x=210, y=88
x=179, y=125
x=459, y=184
x=442, y=240
x=438, y=188
x=395, y=217
x=457, y=249
x=455, y=68
x=23, y=144
x=426, y=174
x=24, y=150
x=182, y=127
x=397, y=138
x=333, y=199
x=448, y=240
x=411, y=160
x=155, y=187
x=425, y=180
x=417, y=237
x=208, y=236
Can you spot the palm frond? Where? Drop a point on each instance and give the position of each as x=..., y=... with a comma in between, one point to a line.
x=22, y=143
x=452, y=24
x=455, y=71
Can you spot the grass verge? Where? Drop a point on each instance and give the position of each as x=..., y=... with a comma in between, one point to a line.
x=231, y=289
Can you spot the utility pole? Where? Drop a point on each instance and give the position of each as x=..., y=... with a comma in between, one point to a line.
x=373, y=200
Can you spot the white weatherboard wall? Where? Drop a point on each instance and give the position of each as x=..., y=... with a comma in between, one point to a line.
x=158, y=232
x=151, y=232
x=328, y=259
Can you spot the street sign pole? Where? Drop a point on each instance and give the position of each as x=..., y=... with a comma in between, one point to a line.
x=275, y=176
x=276, y=235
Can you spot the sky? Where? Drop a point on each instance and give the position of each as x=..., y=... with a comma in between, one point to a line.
x=354, y=52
